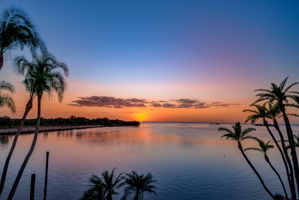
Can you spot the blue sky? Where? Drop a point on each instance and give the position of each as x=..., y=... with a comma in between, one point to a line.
x=133, y=40
x=205, y=42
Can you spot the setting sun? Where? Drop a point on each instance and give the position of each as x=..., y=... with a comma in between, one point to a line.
x=140, y=117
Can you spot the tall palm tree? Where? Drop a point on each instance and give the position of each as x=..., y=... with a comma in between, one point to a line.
x=45, y=75
x=110, y=184
x=138, y=184
x=296, y=138
x=275, y=113
x=281, y=94
x=262, y=112
x=6, y=100
x=95, y=191
x=264, y=148
x=17, y=31
x=238, y=134
x=22, y=66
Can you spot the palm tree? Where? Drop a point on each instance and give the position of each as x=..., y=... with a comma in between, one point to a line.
x=17, y=30
x=264, y=148
x=139, y=184
x=238, y=134
x=43, y=73
x=280, y=94
x=274, y=114
x=22, y=66
x=271, y=112
x=6, y=100
x=95, y=191
x=296, y=138
x=104, y=187
x=111, y=182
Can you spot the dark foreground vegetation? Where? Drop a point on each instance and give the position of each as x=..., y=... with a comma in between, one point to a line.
x=277, y=104
x=6, y=122
x=109, y=184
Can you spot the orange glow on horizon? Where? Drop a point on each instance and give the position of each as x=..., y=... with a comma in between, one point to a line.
x=140, y=117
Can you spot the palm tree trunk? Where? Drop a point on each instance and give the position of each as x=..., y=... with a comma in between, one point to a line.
x=136, y=195
x=1, y=60
x=291, y=182
x=24, y=164
x=109, y=196
x=14, y=143
x=291, y=173
x=255, y=171
x=278, y=175
x=292, y=146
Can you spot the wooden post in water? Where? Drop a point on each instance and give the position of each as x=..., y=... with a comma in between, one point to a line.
x=46, y=175
x=32, y=187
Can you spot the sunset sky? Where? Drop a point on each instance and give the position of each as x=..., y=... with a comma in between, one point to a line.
x=162, y=60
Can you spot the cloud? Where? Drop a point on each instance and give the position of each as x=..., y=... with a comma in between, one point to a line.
x=220, y=104
x=191, y=103
x=112, y=102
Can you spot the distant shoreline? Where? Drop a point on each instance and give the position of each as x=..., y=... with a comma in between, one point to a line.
x=212, y=123
x=28, y=130
x=9, y=126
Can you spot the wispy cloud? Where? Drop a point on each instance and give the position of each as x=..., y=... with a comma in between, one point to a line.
x=113, y=102
x=110, y=102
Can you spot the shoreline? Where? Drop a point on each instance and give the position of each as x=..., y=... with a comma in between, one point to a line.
x=28, y=130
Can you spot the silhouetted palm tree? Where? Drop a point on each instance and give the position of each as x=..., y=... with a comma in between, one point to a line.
x=238, y=134
x=296, y=138
x=275, y=113
x=110, y=184
x=280, y=94
x=96, y=189
x=262, y=112
x=138, y=184
x=22, y=66
x=264, y=148
x=17, y=30
x=6, y=100
x=43, y=72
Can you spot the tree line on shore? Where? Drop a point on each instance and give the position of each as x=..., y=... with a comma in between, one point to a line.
x=7, y=122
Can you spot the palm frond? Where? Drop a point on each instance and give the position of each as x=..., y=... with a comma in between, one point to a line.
x=225, y=129
x=7, y=101
x=6, y=86
x=253, y=148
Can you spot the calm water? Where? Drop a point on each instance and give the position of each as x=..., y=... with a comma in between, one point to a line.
x=188, y=160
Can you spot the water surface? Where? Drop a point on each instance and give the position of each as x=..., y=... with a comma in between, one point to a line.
x=189, y=161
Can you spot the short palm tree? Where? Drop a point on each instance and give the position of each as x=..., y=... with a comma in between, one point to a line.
x=22, y=66
x=264, y=148
x=138, y=184
x=17, y=30
x=6, y=100
x=281, y=94
x=238, y=134
x=96, y=189
x=44, y=73
x=110, y=184
x=271, y=111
